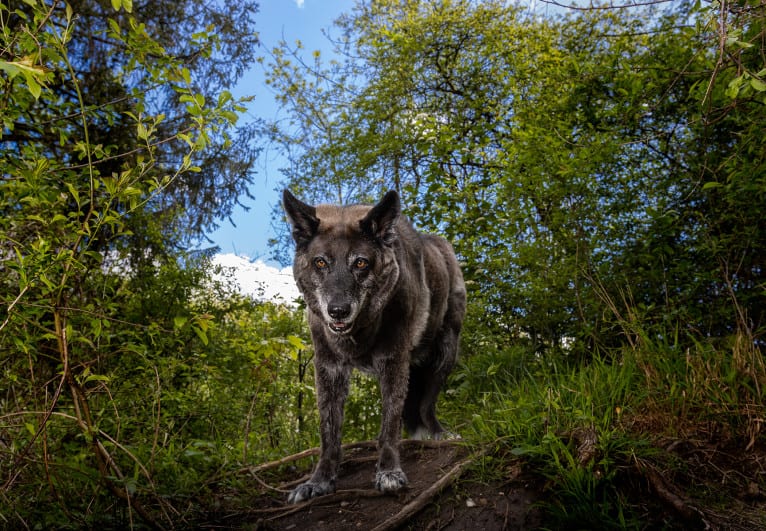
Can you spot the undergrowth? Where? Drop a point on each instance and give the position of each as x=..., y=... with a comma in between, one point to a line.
x=600, y=432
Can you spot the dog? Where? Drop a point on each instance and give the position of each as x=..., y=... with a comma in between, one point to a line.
x=387, y=300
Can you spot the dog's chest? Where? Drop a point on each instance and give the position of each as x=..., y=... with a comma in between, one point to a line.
x=360, y=356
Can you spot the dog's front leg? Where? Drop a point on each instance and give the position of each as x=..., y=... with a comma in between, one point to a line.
x=332, y=390
x=393, y=388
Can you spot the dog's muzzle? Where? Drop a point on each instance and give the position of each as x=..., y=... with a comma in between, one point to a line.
x=340, y=327
x=339, y=313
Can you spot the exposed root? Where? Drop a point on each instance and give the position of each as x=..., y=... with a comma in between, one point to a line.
x=330, y=499
x=312, y=452
x=677, y=502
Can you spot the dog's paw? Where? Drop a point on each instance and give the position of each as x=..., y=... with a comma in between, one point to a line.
x=310, y=490
x=388, y=481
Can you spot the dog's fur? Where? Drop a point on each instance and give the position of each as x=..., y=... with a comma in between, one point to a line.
x=387, y=300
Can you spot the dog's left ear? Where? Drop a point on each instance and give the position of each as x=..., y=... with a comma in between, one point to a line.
x=380, y=221
x=302, y=217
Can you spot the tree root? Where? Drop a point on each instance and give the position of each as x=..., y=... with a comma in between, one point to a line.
x=672, y=499
x=311, y=452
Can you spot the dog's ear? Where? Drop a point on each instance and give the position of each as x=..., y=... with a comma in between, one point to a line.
x=380, y=221
x=302, y=217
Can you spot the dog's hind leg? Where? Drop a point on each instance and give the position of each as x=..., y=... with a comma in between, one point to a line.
x=411, y=414
x=425, y=384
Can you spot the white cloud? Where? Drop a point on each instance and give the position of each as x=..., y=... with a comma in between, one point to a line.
x=299, y=3
x=259, y=279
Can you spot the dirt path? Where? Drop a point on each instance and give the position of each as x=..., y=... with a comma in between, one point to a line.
x=435, y=500
x=688, y=484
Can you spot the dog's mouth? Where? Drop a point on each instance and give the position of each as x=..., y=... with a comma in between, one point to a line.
x=340, y=327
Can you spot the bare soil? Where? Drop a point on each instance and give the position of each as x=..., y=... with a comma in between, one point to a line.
x=442, y=494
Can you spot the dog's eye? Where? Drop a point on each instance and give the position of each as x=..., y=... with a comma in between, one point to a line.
x=361, y=264
x=320, y=263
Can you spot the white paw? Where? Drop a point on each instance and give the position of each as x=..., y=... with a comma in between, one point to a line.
x=388, y=481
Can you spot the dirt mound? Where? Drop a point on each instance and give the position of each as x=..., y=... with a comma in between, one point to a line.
x=687, y=484
x=433, y=500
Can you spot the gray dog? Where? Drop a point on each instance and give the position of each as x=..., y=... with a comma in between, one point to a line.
x=387, y=300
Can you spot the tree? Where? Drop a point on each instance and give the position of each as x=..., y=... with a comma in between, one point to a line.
x=141, y=69
x=562, y=157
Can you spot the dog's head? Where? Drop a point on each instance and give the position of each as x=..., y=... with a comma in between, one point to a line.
x=345, y=263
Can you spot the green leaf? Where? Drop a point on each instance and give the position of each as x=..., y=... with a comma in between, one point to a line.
x=34, y=87
x=9, y=68
x=201, y=334
x=74, y=192
x=758, y=85
x=97, y=378
x=296, y=342
x=732, y=90
x=141, y=131
x=520, y=450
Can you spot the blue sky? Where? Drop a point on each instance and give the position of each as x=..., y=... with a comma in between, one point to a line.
x=292, y=20
x=244, y=249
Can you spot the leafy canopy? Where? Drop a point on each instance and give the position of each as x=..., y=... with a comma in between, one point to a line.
x=591, y=169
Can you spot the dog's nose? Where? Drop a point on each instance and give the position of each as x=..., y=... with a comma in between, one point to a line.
x=339, y=311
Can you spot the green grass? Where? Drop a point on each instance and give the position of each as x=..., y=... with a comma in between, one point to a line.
x=589, y=429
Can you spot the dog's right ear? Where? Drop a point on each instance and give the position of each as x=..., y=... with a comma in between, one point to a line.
x=302, y=217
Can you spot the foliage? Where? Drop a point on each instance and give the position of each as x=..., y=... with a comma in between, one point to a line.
x=109, y=380
x=583, y=162
x=145, y=82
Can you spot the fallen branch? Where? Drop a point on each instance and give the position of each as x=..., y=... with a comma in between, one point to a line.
x=416, y=505
x=329, y=499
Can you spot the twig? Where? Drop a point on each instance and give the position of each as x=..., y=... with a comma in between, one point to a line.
x=289, y=485
x=279, y=462
x=406, y=443
x=339, y=496
x=9, y=311
x=412, y=508
x=266, y=485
